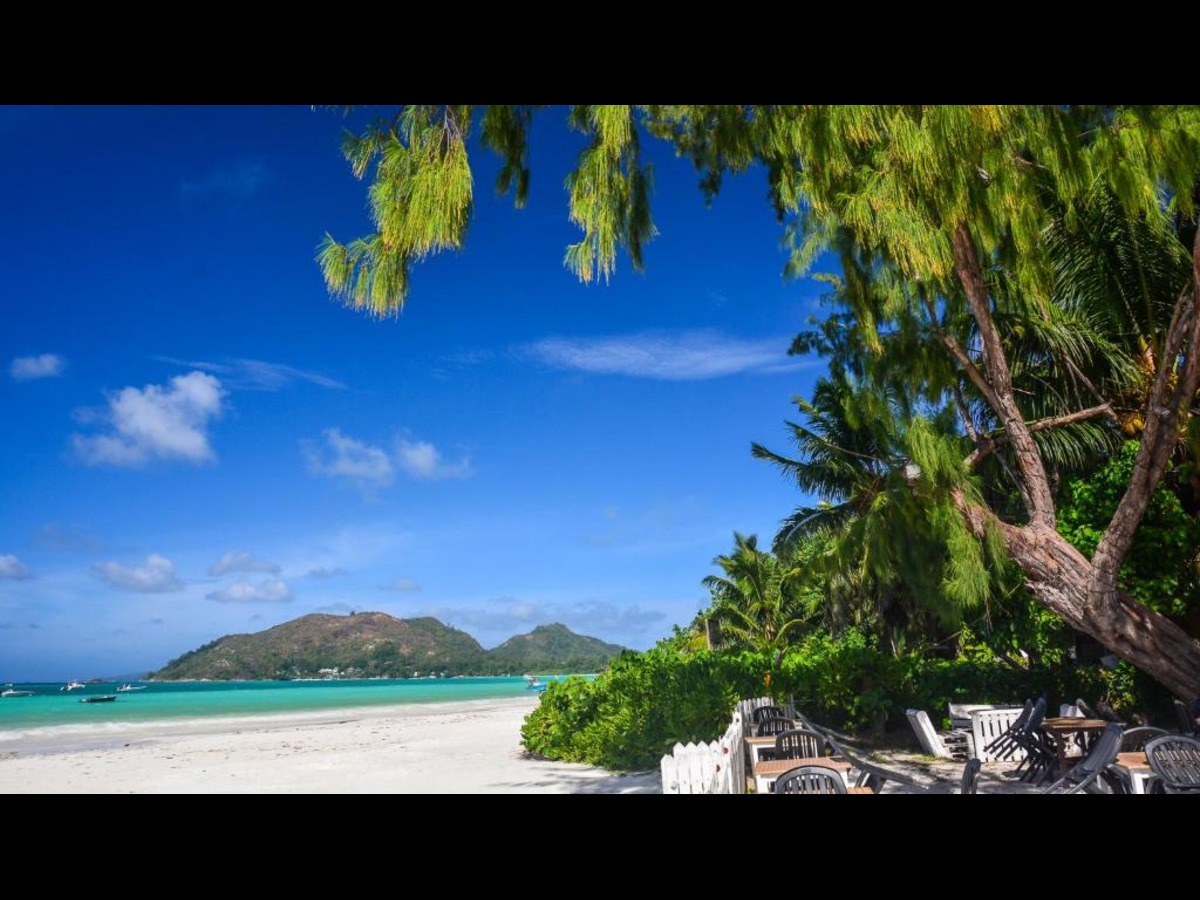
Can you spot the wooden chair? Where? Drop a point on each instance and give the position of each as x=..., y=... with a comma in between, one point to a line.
x=1085, y=775
x=801, y=743
x=810, y=780
x=1175, y=760
x=953, y=744
x=1005, y=745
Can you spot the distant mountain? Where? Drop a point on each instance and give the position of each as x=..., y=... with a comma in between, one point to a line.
x=553, y=648
x=376, y=645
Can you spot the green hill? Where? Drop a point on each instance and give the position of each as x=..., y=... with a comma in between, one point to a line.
x=553, y=648
x=376, y=645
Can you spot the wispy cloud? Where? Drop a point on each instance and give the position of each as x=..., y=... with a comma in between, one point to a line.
x=687, y=356
x=154, y=422
x=11, y=567
x=229, y=185
x=256, y=374
x=44, y=365
x=404, y=585
x=421, y=459
x=327, y=572
x=54, y=536
x=270, y=591
x=340, y=456
x=241, y=561
x=156, y=575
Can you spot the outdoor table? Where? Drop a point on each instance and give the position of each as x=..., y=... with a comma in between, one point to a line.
x=1135, y=769
x=760, y=748
x=1066, y=732
x=768, y=770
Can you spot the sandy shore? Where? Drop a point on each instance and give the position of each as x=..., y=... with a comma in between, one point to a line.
x=446, y=748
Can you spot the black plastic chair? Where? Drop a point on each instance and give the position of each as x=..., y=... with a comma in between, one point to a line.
x=970, y=776
x=1088, y=712
x=810, y=780
x=1175, y=761
x=1187, y=719
x=761, y=712
x=773, y=725
x=801, y=743
x=1135, y=739
x=1040, y=756
x=1085, y=775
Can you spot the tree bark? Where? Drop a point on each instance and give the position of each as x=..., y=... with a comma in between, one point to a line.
x=1060, y=577
x=1040, y=501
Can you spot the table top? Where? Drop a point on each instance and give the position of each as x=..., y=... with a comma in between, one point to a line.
x=1135, y=759
x=1074, y=723
x=774, y=767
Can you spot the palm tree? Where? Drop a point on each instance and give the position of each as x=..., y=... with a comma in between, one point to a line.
x=754, y=605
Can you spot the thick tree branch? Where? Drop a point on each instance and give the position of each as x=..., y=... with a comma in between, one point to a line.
x=1038, y=498
x=989, y=442
x=1163, y=410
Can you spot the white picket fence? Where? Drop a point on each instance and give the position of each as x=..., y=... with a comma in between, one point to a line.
x=715, y=768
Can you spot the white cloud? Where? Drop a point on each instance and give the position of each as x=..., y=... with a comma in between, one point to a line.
x=270, y=591
x=688, y=356
x=344, y=457
x=256, y=374
x=241, y=561
x=155, y=576
x=420, y=459
x=156, y=422
x=44, y=365
x=327, y=572
x=11, y=567
x=405, y=585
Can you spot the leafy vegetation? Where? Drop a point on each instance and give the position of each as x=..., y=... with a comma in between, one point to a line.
x=1001, y=466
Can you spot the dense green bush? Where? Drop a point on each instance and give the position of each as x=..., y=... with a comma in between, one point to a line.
x=627, y=718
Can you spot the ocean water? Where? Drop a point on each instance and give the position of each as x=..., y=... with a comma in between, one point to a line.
x=55, y=715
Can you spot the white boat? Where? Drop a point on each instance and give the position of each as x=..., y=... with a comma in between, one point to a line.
x=126, y=688
x=73, y=685
x=10, y=691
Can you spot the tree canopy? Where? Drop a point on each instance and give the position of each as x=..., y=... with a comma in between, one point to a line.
x=1020, y=280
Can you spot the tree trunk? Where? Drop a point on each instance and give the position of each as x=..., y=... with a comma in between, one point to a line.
x=1060, y=577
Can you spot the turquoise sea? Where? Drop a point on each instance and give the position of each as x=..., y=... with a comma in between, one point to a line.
x=53, y=712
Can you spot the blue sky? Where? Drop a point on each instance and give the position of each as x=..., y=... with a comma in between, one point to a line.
x=199, y=441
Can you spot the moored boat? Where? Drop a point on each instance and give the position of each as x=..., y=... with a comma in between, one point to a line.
x=99, y=698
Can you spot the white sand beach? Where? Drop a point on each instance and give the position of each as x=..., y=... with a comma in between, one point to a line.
x=447, y=748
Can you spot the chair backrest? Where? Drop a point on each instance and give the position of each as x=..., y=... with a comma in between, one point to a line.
x=762, y=712
x=970, y=776
x=1137, y=738
x=1036, y=716
x=1175, y=759
x=1088, y=712
x=772, y=725
x=810, y=780
x=1187, y=722
x=800, y=743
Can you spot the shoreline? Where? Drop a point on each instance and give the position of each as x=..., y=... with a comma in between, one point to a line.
x=470, y=746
